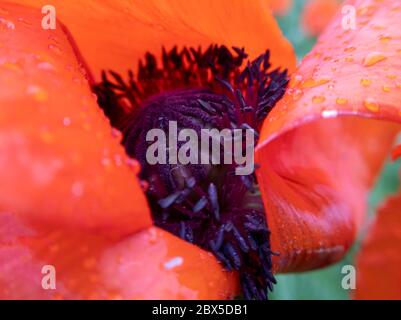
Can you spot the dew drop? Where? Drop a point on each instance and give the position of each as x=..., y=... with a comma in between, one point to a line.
x=54, y=48
x=311, y=83
x=173, y=263
x=77, y=189
x=349, y=49
x=373, y=58
x=106, y=162
x=329, y=113
x=116, y=133
x=46, y=66
x=7, y=24
x=152, y=235
x=371, y=105
x=67, y=121
x=25, y=22
x=38, y=93
x=118, y=160
x=385, y=39
x=341, y=101
x=318, y=99
x=297, y=94
x=366, y=82
x=386, y=89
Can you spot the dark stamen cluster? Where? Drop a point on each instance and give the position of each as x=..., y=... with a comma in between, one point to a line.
x=207, y=205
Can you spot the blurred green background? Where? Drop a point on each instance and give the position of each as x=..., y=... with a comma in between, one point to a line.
x=326, y=283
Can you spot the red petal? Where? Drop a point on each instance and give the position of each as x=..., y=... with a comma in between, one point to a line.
x=115, y=34
x=67, y=199
x=59, y=161
x=323, y=144
x=151, y=264
x=379, y=261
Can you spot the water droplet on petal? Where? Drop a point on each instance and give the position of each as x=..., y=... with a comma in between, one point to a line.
x=341, y=101
x=7, y=24
x=385, y=39
x=173, y=263
x=386, y=89
x=116, y=133
x=297, y=94
x=373, y=58
x=311, y=83
x=366, y=82
x=318, y=99
x=54, y=48
x=77, y=189
x=66, y=121
x=329, y=113
x=38, y=93
x=106, y=162
x=371, y=105
x=46, y=66
x=24, y=22
x=349, y=49
x=118, y=160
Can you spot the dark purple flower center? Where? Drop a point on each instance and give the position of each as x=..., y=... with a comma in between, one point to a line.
x=205, y=204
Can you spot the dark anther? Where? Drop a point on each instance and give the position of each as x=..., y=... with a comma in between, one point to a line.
x=212, y=192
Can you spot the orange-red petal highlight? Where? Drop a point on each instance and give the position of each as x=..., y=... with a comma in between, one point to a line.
x=115, y=34
x=379, y=261
x=323, y=144
x=151, y=264
x=60, y=163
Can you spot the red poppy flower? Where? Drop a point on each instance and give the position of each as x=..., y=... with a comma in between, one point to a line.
x=71, y=199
